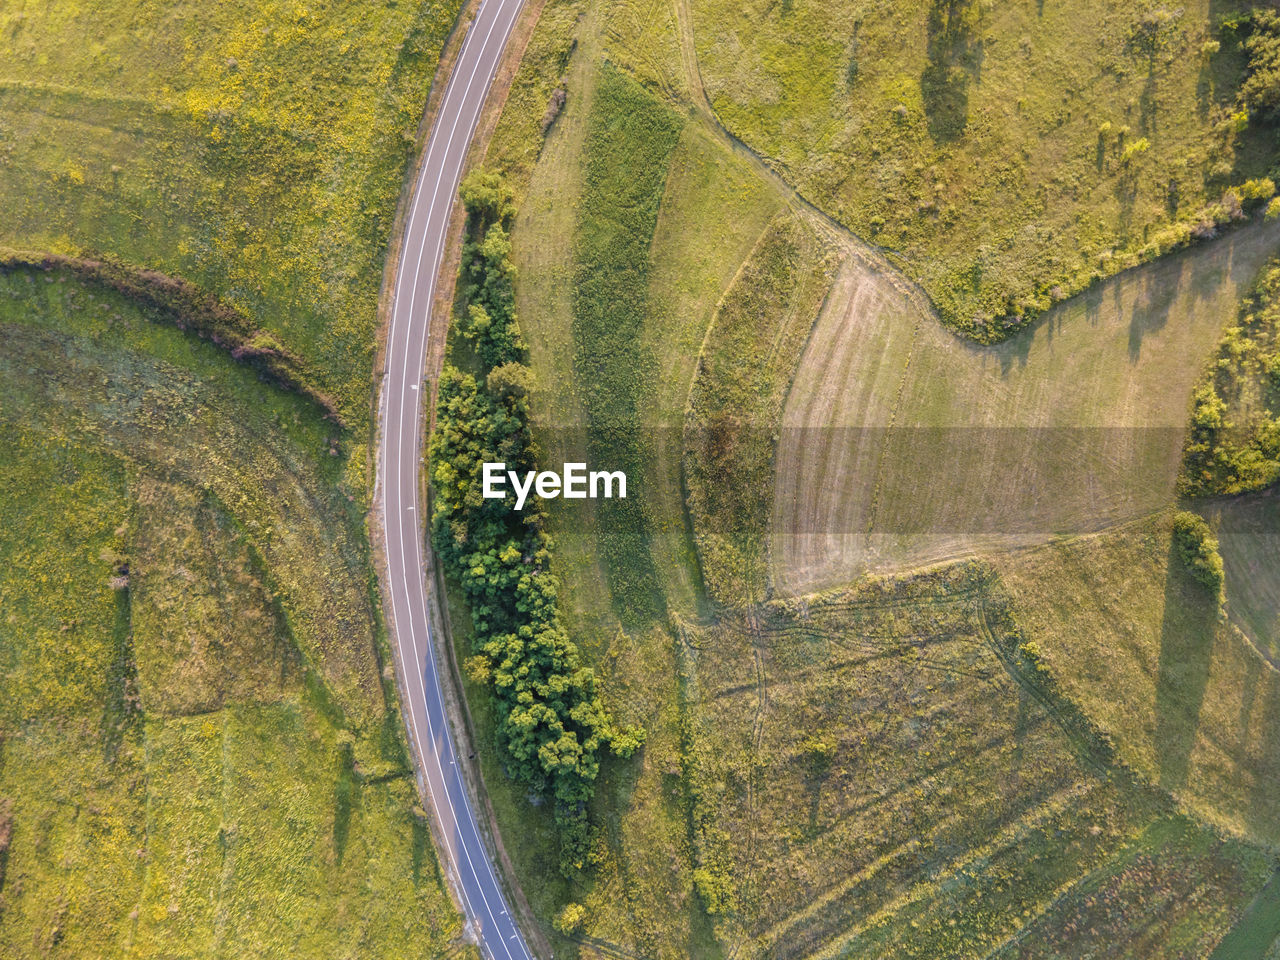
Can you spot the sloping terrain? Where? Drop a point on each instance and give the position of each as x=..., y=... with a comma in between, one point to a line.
x=887, y=768
x=882, y=772
x=902, y=444
x=1249, y=537
x=197, y=757
x=256, y=149
x=1004, y=155
x=1189, y=702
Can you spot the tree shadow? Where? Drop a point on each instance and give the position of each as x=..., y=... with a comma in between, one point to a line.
x=1263, y=812
x=1186, y=650
x=1152, y=307
x=426, y=866
x=343, y=797
x=1126, y=193
x=1015, y=352
x=954, y=60
x=1204, y=91
x=817, y=768
x=1147, y=106
x=123, y=704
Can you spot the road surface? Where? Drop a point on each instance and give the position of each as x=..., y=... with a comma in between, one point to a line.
x=464, y=855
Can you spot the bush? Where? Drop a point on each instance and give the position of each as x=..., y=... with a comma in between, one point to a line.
x=714, y=889
x=570, y=919
x=1260, y=92
x=1198, y=550
x=1234, y=442
x=1135, y=149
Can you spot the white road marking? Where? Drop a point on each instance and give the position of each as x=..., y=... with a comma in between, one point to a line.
x=458, y=836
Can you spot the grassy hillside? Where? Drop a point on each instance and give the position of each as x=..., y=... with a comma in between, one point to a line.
x=1005, y=155
x=1250, y=547
x=883, y=770
x=254, y=148
x=82, y=365
x=196, y=752
x=1133, y=639
x=736, y=401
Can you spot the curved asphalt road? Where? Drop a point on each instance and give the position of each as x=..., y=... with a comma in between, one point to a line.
x=465, y=854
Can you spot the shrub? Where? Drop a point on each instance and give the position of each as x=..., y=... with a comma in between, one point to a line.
x=1135, y=149
x=1198, y=550
x=1262, y=188
x=714, y=889
x=1260, y=92
x=1234, y=442
x=570, y=919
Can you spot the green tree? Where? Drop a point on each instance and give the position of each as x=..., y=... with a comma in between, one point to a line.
x=1198, y=550
x=551, y=723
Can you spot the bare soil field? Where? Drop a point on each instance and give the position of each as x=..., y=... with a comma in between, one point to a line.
x=902, y=444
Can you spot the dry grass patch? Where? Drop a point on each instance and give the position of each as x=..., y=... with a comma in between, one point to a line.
x=881, y=772
x=204, y=622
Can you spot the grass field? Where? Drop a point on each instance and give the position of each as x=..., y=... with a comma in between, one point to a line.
x=956, y=798
x=1190, y=704
x=880, y=772
x=903, y=444
x=1250, y=547
x=197, y=753
x=256, y=149
x=1004, y=155
x=736, y=401
x=630, y=138
x=710, y=210
x=145, y=392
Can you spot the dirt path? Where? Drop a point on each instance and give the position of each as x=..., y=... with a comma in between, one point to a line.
x=870, y=259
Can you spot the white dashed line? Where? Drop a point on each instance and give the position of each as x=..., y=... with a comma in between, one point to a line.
x=481, y=880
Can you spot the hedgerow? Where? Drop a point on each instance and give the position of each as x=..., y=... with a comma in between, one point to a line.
x=488, y=275
x=1234, y=442
x=551, y=723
